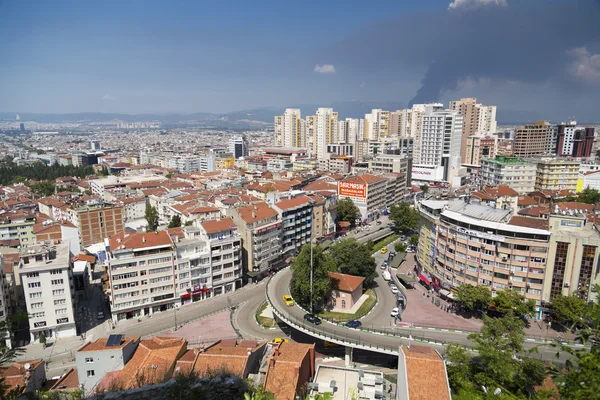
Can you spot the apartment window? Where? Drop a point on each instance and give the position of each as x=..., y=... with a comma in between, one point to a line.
x=38, y=315
x=61, y=311
x=35, y=295
x=58, y=292
x=159, y=270
x=37, y=305
x=90, y=373
x=34, y=285
x=159, y=260
x=56, y=272
x=60, y=302
x=57, y=281
x=33, y=274
x=89, y=360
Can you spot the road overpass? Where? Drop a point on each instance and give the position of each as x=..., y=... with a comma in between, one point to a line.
x=382, y=339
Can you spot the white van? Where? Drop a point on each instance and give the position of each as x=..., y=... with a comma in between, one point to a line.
x=387, y=276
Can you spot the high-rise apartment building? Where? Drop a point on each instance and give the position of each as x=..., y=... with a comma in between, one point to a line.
x=480, y=147
x=377, y=124
x=238, y=146
x=533, y=140
x=326, y=130
x=290, y=129
x=574, y=141
x=478, y=119
x=296, y=216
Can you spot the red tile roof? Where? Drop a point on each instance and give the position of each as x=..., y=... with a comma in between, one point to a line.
x=217, y=225
x=256, y=212
x=287, y=372
x=293, y=202
x=68, y=381
x=345, y=282
x=426, y=374
x=528, y=222
x=364, y=178
x=128, y=240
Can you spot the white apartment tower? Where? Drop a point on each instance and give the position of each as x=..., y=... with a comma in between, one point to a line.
x=326, y=130
x=478, y=119
x=377, y=124
x=290, y=129
x=46, y=273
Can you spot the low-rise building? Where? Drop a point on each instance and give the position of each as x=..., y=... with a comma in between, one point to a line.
x=422, y=374
x=17, y=226
x=30, y=375
x=290, y=368
x=510, y=171
x=346, y=290
x=239, y=357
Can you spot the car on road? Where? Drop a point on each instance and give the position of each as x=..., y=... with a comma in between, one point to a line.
x=330, y=345
x=288, y=300
x=395, y=312
x=378, y=222
x=313, y=319
x=100, y=313
x=384, y=266
x=354, y=324
x=278, y=340
x=394, y=289
x=384, y=250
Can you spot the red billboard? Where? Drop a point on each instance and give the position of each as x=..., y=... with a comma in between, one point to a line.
x=348, y=189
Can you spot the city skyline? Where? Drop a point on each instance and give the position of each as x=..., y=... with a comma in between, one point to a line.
x=68, y=57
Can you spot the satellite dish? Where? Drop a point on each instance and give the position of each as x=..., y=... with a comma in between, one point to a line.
x=27, y=366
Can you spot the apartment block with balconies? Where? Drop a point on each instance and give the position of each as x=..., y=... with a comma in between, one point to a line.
x=296, y=216
x=480, y=245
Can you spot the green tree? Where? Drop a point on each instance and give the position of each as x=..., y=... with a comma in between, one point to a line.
x=460, y=371
x=424, y=188
x=589, y=196
x=300, y=283
x=151, y=216
x=346, y=211
x=42, y=338
x=569, y=309
x=404, y=217
x=175, y=221
x=497, y=344
x=473, y=298
x=511, y=302
x=400, y=247
x=352, y=258
x=413, y=240
x=43, y=188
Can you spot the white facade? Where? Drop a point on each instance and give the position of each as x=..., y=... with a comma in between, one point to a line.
x=290, y=129
x=377, y=124
x=208, y=163
x=46, y=276
x=238, y=146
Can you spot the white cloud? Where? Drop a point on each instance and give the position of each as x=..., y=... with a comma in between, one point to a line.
x=467, y=4
x=585, y=65
x=325, y=69
x=107, y=97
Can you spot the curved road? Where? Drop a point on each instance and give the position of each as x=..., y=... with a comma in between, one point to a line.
x=382, y=339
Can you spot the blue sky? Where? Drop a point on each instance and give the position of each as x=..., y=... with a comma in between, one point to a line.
x=216, y=56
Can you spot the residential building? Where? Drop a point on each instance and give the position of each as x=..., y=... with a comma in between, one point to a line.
x=336, y=164
x=98, y=186
x=17, y=226
x=184, y=163
x=141, y=270
x=349, y=131
x=377, y=124
x=29, y=375
x=396, y=187
x=574, y=141
x=501, y=197
x=239, y=357
x=325, y=131
x=478, y=148
x=533, y=140
x=261, y=233
x=557, y=174
x=367, y=192
x=238, y=146
x=207, y=163
x=392, y=145
x=590, y=179
x=510, y=171
x=46, y=275
x=99, y=222
x=96, y=359
x=324, y=213
x=573, y=256
x=422, y=374
x=346, y=383
x=480, y=245
x=290, y=368
x=135, y=208
x=429, y=216
x=290, y=129
x=386, y=163
x=4, y=306
x=296, y=217
x=477, y=120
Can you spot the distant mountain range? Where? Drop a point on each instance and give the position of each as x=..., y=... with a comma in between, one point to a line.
x=248, y=118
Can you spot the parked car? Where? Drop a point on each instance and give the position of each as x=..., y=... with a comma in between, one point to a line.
x=288, y=300
x=313, y=319
x=354, y=324
x=394, y=289
x=278, y=340
x=384, y=250
x=383, y=266
x=395, y=312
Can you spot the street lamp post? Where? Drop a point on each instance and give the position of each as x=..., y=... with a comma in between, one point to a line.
x=175, y=328
x=311, y=259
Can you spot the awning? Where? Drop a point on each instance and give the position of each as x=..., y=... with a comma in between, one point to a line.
x=444, y=293
x=425, y=279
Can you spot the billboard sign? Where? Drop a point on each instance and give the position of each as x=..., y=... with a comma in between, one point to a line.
x=348, y=189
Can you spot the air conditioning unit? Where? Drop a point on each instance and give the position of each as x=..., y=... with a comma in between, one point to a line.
x=567, y=284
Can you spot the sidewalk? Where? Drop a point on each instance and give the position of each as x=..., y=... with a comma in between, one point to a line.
x=56, y=348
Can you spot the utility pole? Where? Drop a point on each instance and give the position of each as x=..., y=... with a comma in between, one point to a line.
x=175, y=328
x=311, y=259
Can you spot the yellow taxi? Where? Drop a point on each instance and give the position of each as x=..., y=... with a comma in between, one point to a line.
x=384, y=250
x=288, y=300
x=278, y=340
